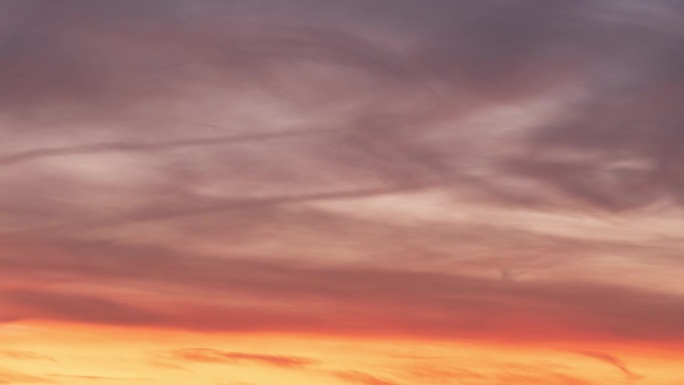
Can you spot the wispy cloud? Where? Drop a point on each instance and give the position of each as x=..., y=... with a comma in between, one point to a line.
x=223, y=357
x=533, y=377
x=611, y=360
x=361, y=378
x=97, y=378
x=75, y=307
x=11, y=377
x=440, y=373
x=26, y=355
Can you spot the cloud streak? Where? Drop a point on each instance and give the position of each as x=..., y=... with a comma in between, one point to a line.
x=361, y=378
x=11, y=377
x=612, y=360
x=221, y=357
x=26, y=355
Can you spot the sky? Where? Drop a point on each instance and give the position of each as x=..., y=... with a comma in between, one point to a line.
x=341, y=192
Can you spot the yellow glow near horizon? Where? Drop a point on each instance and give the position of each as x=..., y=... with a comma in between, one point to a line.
x=80, y=354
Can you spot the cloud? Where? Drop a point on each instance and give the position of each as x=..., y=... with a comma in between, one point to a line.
x=179, y=149
x=98, y=378
x=230, y=294
x=74, y=307
x=546, y=378
x=361, y=378
x=218, y=356
x=612, y=360
x=441, y=373
x=374, y=93
x=26, y=355
x=11, y=377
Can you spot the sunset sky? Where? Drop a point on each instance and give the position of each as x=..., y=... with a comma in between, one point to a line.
x=342, y=192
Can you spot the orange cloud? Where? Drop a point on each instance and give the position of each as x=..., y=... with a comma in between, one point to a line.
x=360, y=378
x=218, y=356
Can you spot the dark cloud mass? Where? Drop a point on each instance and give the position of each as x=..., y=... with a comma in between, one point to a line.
x=390, y=160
